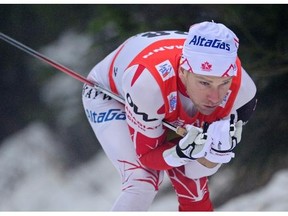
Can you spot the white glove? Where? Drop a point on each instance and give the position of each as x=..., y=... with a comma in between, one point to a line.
x=223, y=137
x=193, y=146
x=195, y=170
x=190, y=147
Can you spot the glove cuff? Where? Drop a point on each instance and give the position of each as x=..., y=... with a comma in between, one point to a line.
x=220, y=157
x=180, y=153
x=172, y=159
x=195, y=170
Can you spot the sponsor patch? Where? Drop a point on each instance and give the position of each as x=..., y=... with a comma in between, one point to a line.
x=225, y=99
x=135, y=108
x=165, y=70
x=172, y=98
x=133, y=122
x=215, y=43
x=112, y=114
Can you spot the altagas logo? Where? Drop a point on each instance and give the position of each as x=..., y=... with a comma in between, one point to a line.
x=202, y=41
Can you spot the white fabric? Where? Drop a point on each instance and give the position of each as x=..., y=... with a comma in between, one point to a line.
x=210, y=49
x=195, y=170
x=220, y=139
x=172, y=159
x=238, y=132
x=194, y=134
x=106, y=118
x=137, y=200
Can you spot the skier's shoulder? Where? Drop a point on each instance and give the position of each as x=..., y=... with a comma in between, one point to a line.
x=159, y=35
x=247, y=91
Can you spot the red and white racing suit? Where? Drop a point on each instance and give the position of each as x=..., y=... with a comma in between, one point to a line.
x=144, y=71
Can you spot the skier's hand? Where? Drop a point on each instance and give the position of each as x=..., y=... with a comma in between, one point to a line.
x=223, y=135
x=190, y=147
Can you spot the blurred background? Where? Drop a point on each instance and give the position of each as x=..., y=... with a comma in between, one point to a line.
x=49, y=156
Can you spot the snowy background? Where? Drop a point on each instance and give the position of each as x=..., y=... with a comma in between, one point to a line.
x=35, y=178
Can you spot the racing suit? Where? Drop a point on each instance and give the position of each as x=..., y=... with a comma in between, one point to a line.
x=144, y=71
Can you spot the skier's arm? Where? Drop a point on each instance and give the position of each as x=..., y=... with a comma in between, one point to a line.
x=145, y=112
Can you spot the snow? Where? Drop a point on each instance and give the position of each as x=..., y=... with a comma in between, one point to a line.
x=33, y=178
x=37, y=181
x=71, y=49
x=272, y=197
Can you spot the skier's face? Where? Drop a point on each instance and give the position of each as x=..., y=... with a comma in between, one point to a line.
x=206, y=92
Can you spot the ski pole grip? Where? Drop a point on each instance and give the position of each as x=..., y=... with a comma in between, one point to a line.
x=181, y=131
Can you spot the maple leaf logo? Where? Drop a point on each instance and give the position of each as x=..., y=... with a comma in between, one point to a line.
x=206, y=66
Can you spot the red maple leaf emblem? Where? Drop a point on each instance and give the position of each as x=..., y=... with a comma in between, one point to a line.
x=206, y=66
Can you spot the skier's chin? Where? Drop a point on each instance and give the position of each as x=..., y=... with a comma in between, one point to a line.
x=207, y=110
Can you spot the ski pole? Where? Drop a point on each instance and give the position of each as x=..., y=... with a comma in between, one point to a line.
x=179, y=130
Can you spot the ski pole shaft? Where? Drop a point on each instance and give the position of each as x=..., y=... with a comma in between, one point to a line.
x=56, y=65
x=179, y=130
x=44, y=58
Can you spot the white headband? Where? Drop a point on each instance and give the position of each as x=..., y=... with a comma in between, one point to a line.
x=210, y=49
